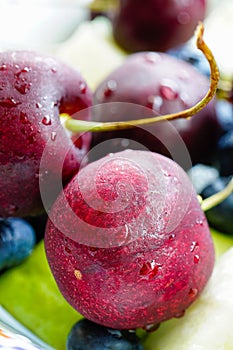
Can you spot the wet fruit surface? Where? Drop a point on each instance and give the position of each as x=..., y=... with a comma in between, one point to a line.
x=34, y=89
x=149, y=84
x=86, y=335
x=158, y=26
x=163, y=251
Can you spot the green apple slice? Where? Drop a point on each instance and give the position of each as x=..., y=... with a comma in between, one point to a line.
x=207, y=323
x=30, y=294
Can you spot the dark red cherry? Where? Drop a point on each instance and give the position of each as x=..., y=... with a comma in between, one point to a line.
x=34, y=90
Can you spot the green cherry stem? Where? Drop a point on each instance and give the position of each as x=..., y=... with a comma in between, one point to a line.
x=217, y=198
x=82, y=126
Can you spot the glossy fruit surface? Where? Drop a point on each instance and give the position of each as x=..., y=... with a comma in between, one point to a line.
x=149, y=84
x=135, y=225
x=34, y=89
x=17, y=240
x=225, y=150
x=156, y=25
x=87, y=335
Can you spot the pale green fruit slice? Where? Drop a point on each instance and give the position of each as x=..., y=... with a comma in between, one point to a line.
x=29, y=293
x=207, y=324
x=92, y=50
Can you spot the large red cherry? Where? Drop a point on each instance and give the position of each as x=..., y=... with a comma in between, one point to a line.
x=34, y=90
x=128, y=242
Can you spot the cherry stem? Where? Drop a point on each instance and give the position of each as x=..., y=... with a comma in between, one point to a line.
x=82, y=125
x=217, y=198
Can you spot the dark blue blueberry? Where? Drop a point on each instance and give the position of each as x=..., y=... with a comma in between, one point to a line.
x=87, y=335
x=17, y=239
x=224, y=112
x=225, y=151
x=188, y=52
x=221, y=216
x=202, y=175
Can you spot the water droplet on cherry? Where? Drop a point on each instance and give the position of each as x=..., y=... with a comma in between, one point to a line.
x=193, y=292
x=110, y=88
x=168, y=90
x=196, y=259
x=83, y=88
x=53, y=136
x=149, y=269
x=46, y=120
x=193, y=246
x=9, y=102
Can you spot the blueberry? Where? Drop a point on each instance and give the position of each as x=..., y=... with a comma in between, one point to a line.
x=225, y=150
x=221, y=216
x=87, y=335
x=17, y=239
x=202, y=175
x=224, y=112
x=188, y=52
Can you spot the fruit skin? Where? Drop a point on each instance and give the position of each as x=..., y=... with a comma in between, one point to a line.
x=102, y=255
x=221, y=216
x=156, y=25
x=17, y=240
x=87, y=335
x=34, y=89
x=164, y=85
x=225, y=152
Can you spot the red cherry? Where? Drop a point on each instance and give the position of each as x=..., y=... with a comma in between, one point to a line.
x=128, y=242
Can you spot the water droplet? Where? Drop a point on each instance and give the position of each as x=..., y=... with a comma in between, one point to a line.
x=151, y=57
x=25, y=70
x=166, y=174
x=12, y=209
x=83, y=87
x=168, y=90
x=9, y=102
x=183, y=17
x=199, y=222
x=53, y=136
x=46, y=120
x=3, y=67
x=54, y=70
x=196, y=259
x=172, y=237
x=193, y=246
x=67, y=250
x=23, y=118
x=38, y=105
x=149, y=269
x=20, y=156
x=110, y=88
x=193, y=292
